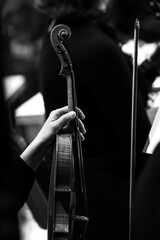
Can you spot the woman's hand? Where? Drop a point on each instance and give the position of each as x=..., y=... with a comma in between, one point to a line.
x=57, y=119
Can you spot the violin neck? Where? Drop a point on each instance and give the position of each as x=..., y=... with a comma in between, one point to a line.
x=71, y=91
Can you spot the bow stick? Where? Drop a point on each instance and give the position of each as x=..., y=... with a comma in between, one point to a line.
x=133, y=123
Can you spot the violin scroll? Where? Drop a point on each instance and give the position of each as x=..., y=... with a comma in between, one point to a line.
x=64, y=34
x=59, y=34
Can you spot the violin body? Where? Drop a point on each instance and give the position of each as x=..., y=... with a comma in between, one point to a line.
x=62, y=194
x=67, y=205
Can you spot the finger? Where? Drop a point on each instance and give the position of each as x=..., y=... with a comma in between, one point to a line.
x=80, y=114
x=82, y=137
x=61, y=111
x=64, y=119
x=55, y=114
x=81, y=126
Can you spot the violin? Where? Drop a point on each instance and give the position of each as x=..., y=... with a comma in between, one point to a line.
x=67, y=204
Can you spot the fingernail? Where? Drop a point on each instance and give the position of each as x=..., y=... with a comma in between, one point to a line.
x=72, y=114
x=82, y=138
x=83, y=116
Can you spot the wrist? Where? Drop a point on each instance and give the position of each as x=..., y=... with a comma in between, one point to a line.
x=33, y=154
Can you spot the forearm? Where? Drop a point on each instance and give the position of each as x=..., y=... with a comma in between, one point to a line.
x=33, y=154
x=35, y=151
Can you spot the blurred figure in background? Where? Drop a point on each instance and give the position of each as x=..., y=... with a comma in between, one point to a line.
x=120, y=16
x=146, y=208
x=21, y=23
x=8, y=218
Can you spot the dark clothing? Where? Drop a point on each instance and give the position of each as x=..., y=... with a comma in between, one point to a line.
x=104, y=84
x=23, y=180
x=147, y=200
x=14, y=186
x=23, y=175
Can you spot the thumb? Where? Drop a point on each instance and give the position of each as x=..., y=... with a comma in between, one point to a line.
x=71, y=114
x=64, y=119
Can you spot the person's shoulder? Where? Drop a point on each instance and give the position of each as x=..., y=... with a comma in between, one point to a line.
x=97, y=38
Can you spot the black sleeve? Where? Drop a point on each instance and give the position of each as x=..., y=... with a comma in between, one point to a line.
x=23, y=179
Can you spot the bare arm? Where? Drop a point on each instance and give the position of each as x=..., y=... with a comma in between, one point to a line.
x=35, y=151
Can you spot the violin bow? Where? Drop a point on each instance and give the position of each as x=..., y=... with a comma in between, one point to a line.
x=133, y=123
